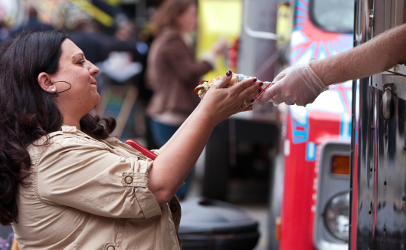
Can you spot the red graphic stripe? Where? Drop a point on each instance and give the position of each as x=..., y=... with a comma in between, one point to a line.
x=262, y=91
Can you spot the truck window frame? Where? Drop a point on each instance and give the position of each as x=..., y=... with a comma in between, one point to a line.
x=320, y=26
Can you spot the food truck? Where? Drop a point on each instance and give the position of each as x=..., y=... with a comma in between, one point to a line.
x=340, y=193
x=378, y=181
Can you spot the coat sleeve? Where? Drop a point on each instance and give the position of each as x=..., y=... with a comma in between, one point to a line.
x=182, y=63
x=89, y=176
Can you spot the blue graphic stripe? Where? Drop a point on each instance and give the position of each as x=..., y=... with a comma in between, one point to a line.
x=299, y=27
x=331, y=48
x=340, y=46
x=345, y=134
x=322, y=48
x=302, y=5
x=295, y=52
x=300, y=20
x=346, y=40
x=311, y=151
x=300, y=13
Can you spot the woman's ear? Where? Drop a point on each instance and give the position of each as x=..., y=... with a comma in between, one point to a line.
x=45, y=83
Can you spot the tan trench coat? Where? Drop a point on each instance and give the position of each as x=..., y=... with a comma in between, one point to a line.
x=92, y=194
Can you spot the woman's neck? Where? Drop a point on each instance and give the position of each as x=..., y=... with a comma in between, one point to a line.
x=71, y=122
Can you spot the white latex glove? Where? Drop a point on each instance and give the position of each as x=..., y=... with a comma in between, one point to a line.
x=295, y=85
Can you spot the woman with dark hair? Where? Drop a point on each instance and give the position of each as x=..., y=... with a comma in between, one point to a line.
x=64, y=182
x=172, y=70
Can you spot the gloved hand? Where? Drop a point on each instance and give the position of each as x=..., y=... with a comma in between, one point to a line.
x=295, y=85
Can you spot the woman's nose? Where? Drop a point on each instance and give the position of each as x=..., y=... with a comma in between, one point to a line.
x=94, y=70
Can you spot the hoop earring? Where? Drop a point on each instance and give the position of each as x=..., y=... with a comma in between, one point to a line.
x=57, y=93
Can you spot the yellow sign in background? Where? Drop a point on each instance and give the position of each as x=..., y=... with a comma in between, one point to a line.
x=218, y=18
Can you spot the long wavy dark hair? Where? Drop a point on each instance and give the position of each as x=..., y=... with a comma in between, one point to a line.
x=27, y=112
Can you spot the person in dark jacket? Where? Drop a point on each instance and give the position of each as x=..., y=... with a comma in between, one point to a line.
x=33, y=23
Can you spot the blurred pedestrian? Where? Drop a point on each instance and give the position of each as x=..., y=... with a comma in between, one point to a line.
x=87, y=36
x=33, y=23
x=172, y=70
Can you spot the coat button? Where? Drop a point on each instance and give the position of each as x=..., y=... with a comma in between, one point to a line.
x=110, y=247
x=174, y=208
x=128, y=179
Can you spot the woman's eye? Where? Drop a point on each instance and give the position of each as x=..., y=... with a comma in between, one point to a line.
x=81, y=62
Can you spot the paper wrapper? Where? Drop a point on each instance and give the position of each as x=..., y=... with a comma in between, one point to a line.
x=259, y=99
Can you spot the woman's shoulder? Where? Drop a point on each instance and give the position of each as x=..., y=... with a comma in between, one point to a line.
x=170, y=34
x=67, y=136
x=168, y=37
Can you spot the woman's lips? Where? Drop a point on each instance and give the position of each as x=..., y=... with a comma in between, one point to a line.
x=95, y=83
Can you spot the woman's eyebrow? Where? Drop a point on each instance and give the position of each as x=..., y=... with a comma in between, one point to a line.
x=78, y=54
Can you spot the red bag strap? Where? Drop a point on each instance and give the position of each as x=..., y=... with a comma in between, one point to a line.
x=144, y=151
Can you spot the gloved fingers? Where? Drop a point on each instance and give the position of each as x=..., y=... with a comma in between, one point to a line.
x=279, y=76
x=301, y=102
x=275, y=103
x=289, y=102
x=277, y=100
x=272, y=91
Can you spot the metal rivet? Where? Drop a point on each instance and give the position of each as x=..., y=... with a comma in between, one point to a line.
x=128, y=179
x=372, y=127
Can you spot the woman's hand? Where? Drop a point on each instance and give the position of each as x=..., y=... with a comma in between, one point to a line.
x=222, y=102
x=219, y=46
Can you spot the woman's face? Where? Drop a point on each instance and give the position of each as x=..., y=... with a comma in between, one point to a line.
x=187, y=20
x=75, y=69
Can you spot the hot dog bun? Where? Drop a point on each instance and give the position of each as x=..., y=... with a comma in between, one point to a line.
x=204, y=86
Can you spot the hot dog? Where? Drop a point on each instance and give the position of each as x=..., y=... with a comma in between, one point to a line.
x=204, y=86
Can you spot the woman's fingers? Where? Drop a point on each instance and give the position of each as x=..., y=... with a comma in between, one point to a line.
x=249, y=90
x=224, y=80
x=245, y=108
x=247, y=87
